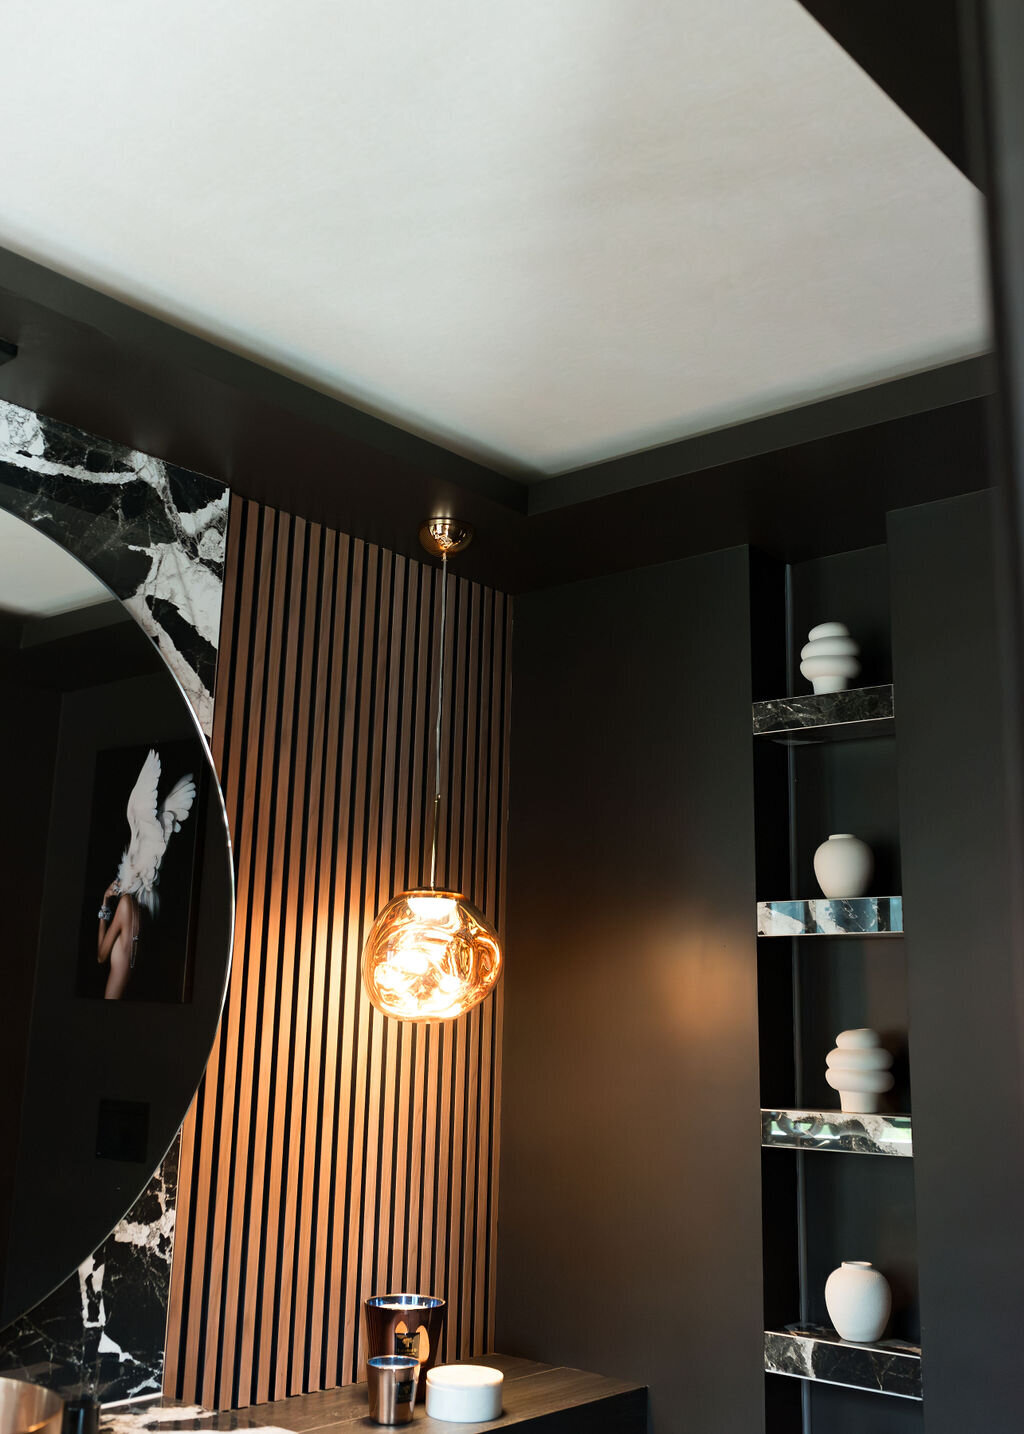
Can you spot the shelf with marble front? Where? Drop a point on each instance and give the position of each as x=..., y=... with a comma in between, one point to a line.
x=846, y=716
x=839, y=1131
x=819, y=916
x=816, y=1352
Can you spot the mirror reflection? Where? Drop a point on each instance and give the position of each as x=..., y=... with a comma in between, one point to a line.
x=117, y=893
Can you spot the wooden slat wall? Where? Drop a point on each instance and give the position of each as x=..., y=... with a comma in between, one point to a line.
x=330, y=1153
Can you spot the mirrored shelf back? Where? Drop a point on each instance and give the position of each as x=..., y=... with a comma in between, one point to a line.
x=816, y=1352
x=818, y=916
x=835, y=1130
x=826, y=716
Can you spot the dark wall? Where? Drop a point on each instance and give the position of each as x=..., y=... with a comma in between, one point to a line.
x=964, y=1044
x=630, y=1196
x=28, y=730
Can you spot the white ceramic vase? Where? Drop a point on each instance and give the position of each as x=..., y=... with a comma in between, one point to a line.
x=829, y=657
x=859, y=1301
x=844, y=866
x=858, y=1069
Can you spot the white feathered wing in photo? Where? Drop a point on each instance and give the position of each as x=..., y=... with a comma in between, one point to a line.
x=151, y=827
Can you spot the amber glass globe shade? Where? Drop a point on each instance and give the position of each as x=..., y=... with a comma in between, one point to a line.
x=431, y=956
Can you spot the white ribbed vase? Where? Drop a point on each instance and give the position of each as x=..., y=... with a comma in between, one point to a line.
x=829, y=657
x=859, y=1301
x=858, y=1069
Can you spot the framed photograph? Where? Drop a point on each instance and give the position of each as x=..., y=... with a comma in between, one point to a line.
x=136, y=936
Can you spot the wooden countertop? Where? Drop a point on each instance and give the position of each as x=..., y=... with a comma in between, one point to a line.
x=538, y=1397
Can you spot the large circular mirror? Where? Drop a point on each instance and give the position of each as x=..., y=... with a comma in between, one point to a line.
x=117, y=904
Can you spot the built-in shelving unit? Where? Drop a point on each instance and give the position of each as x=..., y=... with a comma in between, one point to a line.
x=827, y=763
x=817, y=1353
x=836, y=1130
x=818, y=916
x=826, y=716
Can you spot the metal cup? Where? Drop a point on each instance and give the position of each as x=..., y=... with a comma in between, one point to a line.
x=406, y=1325
x=391, y=1385
x=81, y=1415
x=28, y=1407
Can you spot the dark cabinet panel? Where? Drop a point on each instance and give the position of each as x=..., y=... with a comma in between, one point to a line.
x=964, y=1030
x=630, y=1206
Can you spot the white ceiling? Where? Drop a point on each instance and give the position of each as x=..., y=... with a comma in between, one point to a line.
x=541, y=233
x=37, y=577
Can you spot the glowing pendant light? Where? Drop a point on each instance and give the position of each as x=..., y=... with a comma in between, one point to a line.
x=431, y=955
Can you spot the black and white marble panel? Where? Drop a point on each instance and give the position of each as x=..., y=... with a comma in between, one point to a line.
x=816, y=1352
x=152, y=532
x=835, y=1130
x=102, y=1331
x=826, y=716
x=818, y=916
x=155, y=534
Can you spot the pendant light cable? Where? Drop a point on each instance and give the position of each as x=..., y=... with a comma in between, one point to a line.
x=437, y=724
x=433, y=957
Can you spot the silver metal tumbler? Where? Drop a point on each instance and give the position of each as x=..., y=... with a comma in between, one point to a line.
x=28, y=1407
x=407, y=1325
x=391, y=1385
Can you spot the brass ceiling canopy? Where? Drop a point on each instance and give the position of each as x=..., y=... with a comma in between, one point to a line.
x=444, y=536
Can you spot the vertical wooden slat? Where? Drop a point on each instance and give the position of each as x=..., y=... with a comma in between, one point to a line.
x=306, y=1346
x=387, y=1201
x=330, y=1152
x=323, y=1372
x=362, y=1275
x=459, y=648
x=249, y=1254
x=271, y=1266
x=292, y=1062
x=356, y=1019
x=345, y=857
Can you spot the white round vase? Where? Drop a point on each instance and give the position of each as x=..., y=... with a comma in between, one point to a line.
x=859, y=1301
x=844, y=866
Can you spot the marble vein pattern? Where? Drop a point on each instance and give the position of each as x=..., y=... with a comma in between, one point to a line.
x=152, y=532
x=816, y=1352
x=167, y=1417
x=861, y=709
x=817, y=916
x=836, y=1130
x=102, y=1331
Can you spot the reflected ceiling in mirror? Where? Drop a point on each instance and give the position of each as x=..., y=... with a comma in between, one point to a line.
x=40, y=579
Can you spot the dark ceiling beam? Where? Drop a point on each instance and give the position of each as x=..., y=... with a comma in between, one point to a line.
x=881, y=403
x=911, y=49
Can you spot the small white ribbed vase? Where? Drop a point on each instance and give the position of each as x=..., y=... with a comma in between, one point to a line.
x=844, y=866
x=859, y=1301
x=829, y=657
x=858, y=1069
